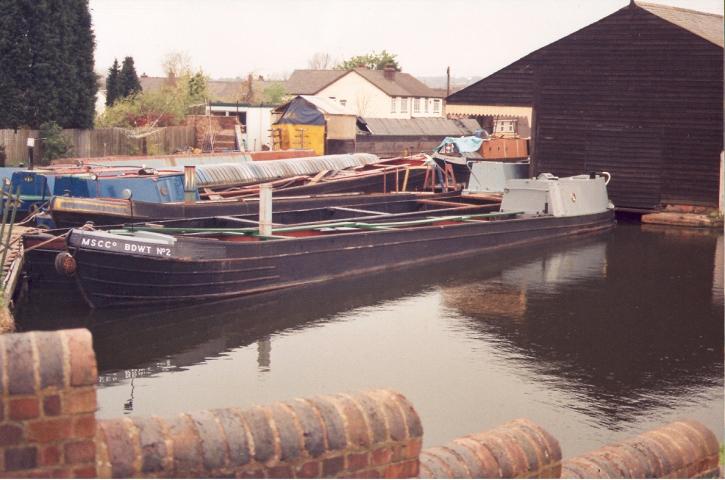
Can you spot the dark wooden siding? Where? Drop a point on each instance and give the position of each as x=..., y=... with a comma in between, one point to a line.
x=509, y=86
x=632, y=94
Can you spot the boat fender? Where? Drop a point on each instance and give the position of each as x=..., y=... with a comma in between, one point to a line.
x=65, y=264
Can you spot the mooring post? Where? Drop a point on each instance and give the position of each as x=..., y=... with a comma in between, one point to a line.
x=265, y=209
x=189, y=183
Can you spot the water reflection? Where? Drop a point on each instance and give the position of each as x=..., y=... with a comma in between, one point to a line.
x=591, y=338
x=625, y=324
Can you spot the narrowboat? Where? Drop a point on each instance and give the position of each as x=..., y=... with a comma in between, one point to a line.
x=218, y=258
x=329, y=186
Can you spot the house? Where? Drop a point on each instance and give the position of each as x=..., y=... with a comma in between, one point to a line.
x=638, y=93
x=370, y=93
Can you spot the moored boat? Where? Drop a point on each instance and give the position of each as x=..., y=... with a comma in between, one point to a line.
x=217, y=258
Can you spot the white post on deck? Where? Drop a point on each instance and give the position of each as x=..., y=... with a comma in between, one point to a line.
x=265, y=210
x=722, y=182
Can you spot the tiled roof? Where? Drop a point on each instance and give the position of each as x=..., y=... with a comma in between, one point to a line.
x=400, y=85
x=706, y=25
x=310, y=82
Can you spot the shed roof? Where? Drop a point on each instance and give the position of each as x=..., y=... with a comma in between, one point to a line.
x=706, y=25
x=434, y=126
x=310, y=82
x=515, y=81
x=328, y=106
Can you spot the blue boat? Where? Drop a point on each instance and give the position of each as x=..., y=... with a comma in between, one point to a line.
x=38, y=186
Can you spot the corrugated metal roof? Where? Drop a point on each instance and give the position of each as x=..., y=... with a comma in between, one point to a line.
x=706, y=25
x=328, y=106
x=229, y=174
x=436, y=126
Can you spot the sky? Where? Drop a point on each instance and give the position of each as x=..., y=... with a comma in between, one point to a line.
x=230, y=38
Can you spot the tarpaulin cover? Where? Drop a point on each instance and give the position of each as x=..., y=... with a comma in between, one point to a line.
x=301, y=112
x=463, y=144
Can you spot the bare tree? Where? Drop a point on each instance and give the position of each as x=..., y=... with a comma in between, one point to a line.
x=320, y=61
x=177, y=64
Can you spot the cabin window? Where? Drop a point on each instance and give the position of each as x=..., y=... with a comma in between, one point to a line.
x=403, y=105
x=416, y=105
x=436, y=106
x=393, y=100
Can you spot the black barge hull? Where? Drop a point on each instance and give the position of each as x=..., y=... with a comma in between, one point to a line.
x=196, y=269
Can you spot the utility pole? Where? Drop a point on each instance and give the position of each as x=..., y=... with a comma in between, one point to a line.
x=448, y=81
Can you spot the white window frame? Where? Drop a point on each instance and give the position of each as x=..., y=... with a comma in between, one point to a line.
x=436, y=105
x=403, y=105
x=416, y=105
x=393, y=103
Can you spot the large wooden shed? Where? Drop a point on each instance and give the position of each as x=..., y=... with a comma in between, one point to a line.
x=638, y=93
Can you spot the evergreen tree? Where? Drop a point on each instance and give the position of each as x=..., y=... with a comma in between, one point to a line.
x=15, y=52
x=46, y=47
x=80, y=54
x=129, y=83
x=113, y=91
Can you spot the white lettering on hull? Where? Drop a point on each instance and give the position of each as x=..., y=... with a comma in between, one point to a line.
x=124, y=246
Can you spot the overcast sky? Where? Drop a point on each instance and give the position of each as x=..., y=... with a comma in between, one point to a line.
x=229, y=38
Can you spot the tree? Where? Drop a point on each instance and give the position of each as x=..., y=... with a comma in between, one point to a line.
x=320, y=61
x=128, y=80
x=177, y=64
x=275, y=93
x=373, y=61
x=198, y=90
x=113, y=90
x=55, y=145
x=47, y=63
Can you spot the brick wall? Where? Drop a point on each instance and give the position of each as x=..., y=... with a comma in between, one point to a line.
x=369, y=434
x=48, y=429
x=47, y=413
x=685, y=449
x=518, y=449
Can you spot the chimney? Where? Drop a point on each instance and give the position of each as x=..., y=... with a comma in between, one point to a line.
x=389, y=71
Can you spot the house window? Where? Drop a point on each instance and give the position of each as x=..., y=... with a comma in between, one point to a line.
x=436, y=106
x=403, y=105
x=392, y=104
x=416, y=105
x=425, y=104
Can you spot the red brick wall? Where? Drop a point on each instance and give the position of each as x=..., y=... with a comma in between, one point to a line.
x=518, y=449
x=369, y=434
x=47, y=412
x=685, y=449
x=48, y=429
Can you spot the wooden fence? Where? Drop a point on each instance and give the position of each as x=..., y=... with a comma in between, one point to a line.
x=98, y=143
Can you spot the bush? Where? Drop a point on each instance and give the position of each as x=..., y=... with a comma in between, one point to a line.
x=160, y=108
x=55, y=145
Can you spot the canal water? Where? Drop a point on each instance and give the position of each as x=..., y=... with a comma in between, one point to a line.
x=594, y=339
